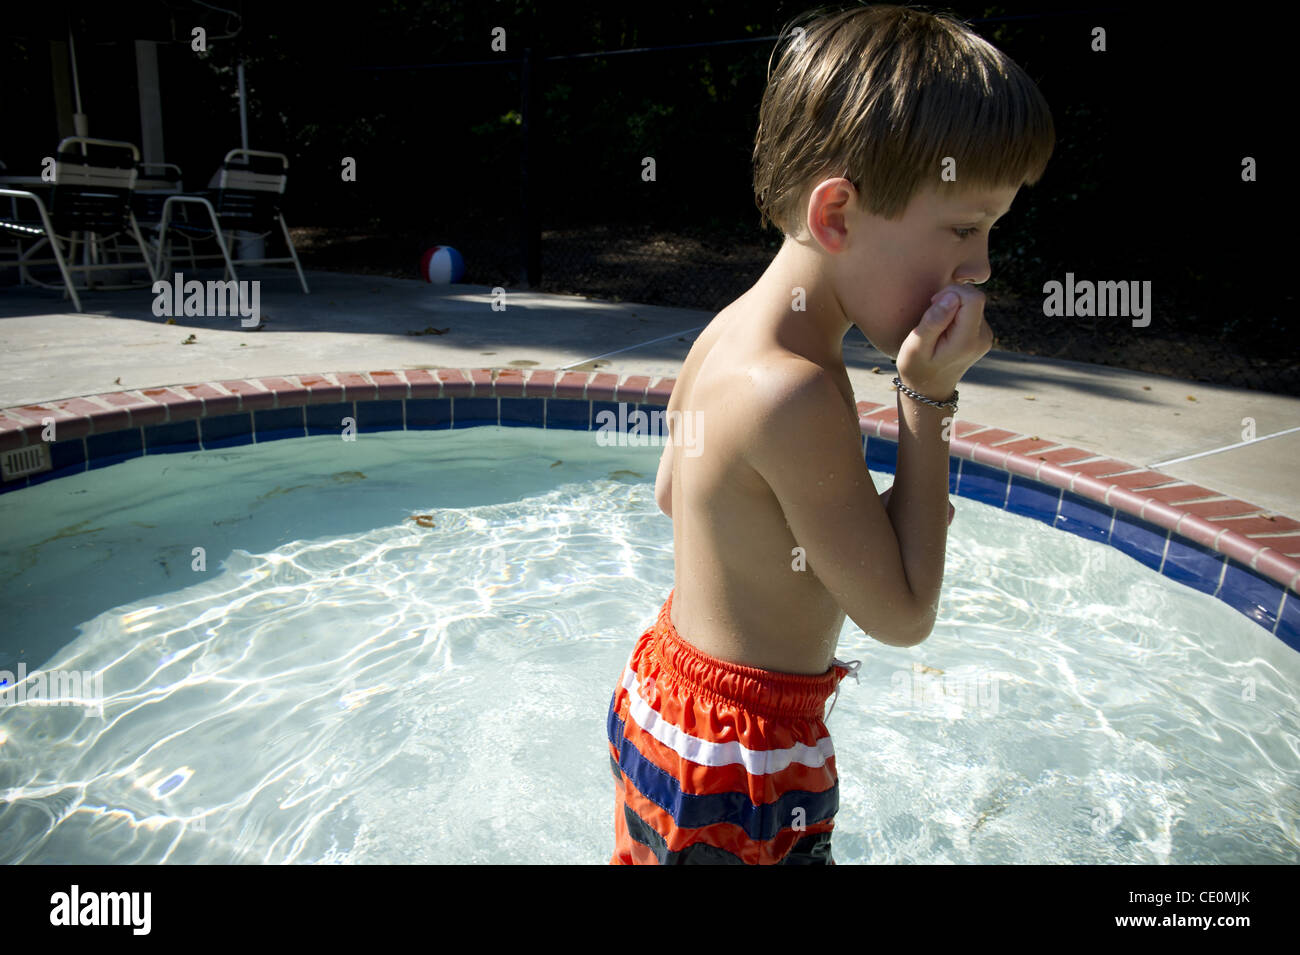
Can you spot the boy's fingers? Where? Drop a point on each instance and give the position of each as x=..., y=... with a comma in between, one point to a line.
x=969, y=325
x=937, y=319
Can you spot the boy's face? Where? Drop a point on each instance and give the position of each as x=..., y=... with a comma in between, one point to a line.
x=885, y=272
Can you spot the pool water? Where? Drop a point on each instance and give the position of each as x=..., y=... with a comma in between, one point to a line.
x=344, y=684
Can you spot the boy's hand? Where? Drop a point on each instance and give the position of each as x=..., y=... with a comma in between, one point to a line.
x=884, y=499
x=945, y=343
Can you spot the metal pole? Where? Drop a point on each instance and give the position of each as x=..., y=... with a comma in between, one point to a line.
x=532, y=231
x=151, y=131
x=81, y=127
x=79, y=123
x=243, y=107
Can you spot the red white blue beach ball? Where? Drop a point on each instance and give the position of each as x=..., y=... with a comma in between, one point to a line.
x=442, y=265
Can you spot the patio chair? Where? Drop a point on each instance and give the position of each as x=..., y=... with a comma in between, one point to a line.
x=90, y=199
x=246, y=199
x=156, y=183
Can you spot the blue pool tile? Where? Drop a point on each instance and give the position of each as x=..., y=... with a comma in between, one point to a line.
x=980, y=482
x=569, y=413
x=471, y=412
x=882, y=455
x=173, y=438
x=1084, y=517
x=606, y=407
x=379, y=415
x=1141, y=540
x=114, y=447
x=428, y=414
x=656, y=424
x=66, y=457
x=1193, y=564
x=633, y=420
x=1251, y=593
x=277, y=424
x=1288, y=627
x=227, y=431
x=521, y=413
x=328, y=419
x=1031, y=498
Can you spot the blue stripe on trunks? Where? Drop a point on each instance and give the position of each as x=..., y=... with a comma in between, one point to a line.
x=692, y=811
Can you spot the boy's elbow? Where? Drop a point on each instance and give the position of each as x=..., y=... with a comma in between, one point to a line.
x=665, y=502
x=913, y=635
x=904, y=641
x=924, y=628
x=917, y=640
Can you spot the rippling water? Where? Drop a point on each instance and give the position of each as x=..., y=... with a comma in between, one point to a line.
x=403, y=649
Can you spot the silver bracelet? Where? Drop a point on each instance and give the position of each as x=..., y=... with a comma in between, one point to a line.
x=950, y=404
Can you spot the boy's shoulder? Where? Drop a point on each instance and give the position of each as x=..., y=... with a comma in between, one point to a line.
x=739, y=377
x=747, y=348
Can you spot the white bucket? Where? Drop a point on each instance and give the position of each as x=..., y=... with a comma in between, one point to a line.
x=250, y=245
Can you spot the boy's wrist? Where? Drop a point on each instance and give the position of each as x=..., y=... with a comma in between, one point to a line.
x=929, y=393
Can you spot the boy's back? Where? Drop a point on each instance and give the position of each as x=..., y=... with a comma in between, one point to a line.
x=737, y=592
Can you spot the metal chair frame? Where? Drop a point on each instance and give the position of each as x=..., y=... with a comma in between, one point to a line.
x=95, y=197
x=241, y=194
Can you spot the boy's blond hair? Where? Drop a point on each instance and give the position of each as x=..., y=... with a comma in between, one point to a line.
x=882, y=95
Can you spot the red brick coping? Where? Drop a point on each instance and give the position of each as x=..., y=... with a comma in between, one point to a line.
x=1263, y=541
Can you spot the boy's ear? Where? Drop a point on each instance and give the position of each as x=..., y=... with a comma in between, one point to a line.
x=829, y=205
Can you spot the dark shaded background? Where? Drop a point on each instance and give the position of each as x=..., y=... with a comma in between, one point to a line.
x=1145, y=183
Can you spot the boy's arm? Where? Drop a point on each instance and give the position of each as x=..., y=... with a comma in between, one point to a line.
x=884, y=499
x=664, y=479
x=883, y=567
x=664, y=482
x=921, y=480
x=951, y=336
x=807, y=446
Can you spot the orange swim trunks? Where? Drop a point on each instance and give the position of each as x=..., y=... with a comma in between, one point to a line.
x=717, y=763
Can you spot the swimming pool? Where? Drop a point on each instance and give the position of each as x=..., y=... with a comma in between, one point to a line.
x=390, y=657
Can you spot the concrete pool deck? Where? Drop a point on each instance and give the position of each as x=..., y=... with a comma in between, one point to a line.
x=1191, y=431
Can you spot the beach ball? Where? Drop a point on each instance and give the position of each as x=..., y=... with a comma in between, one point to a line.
x=442, y=265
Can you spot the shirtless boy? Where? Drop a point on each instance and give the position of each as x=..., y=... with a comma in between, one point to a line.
x=889, y=142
